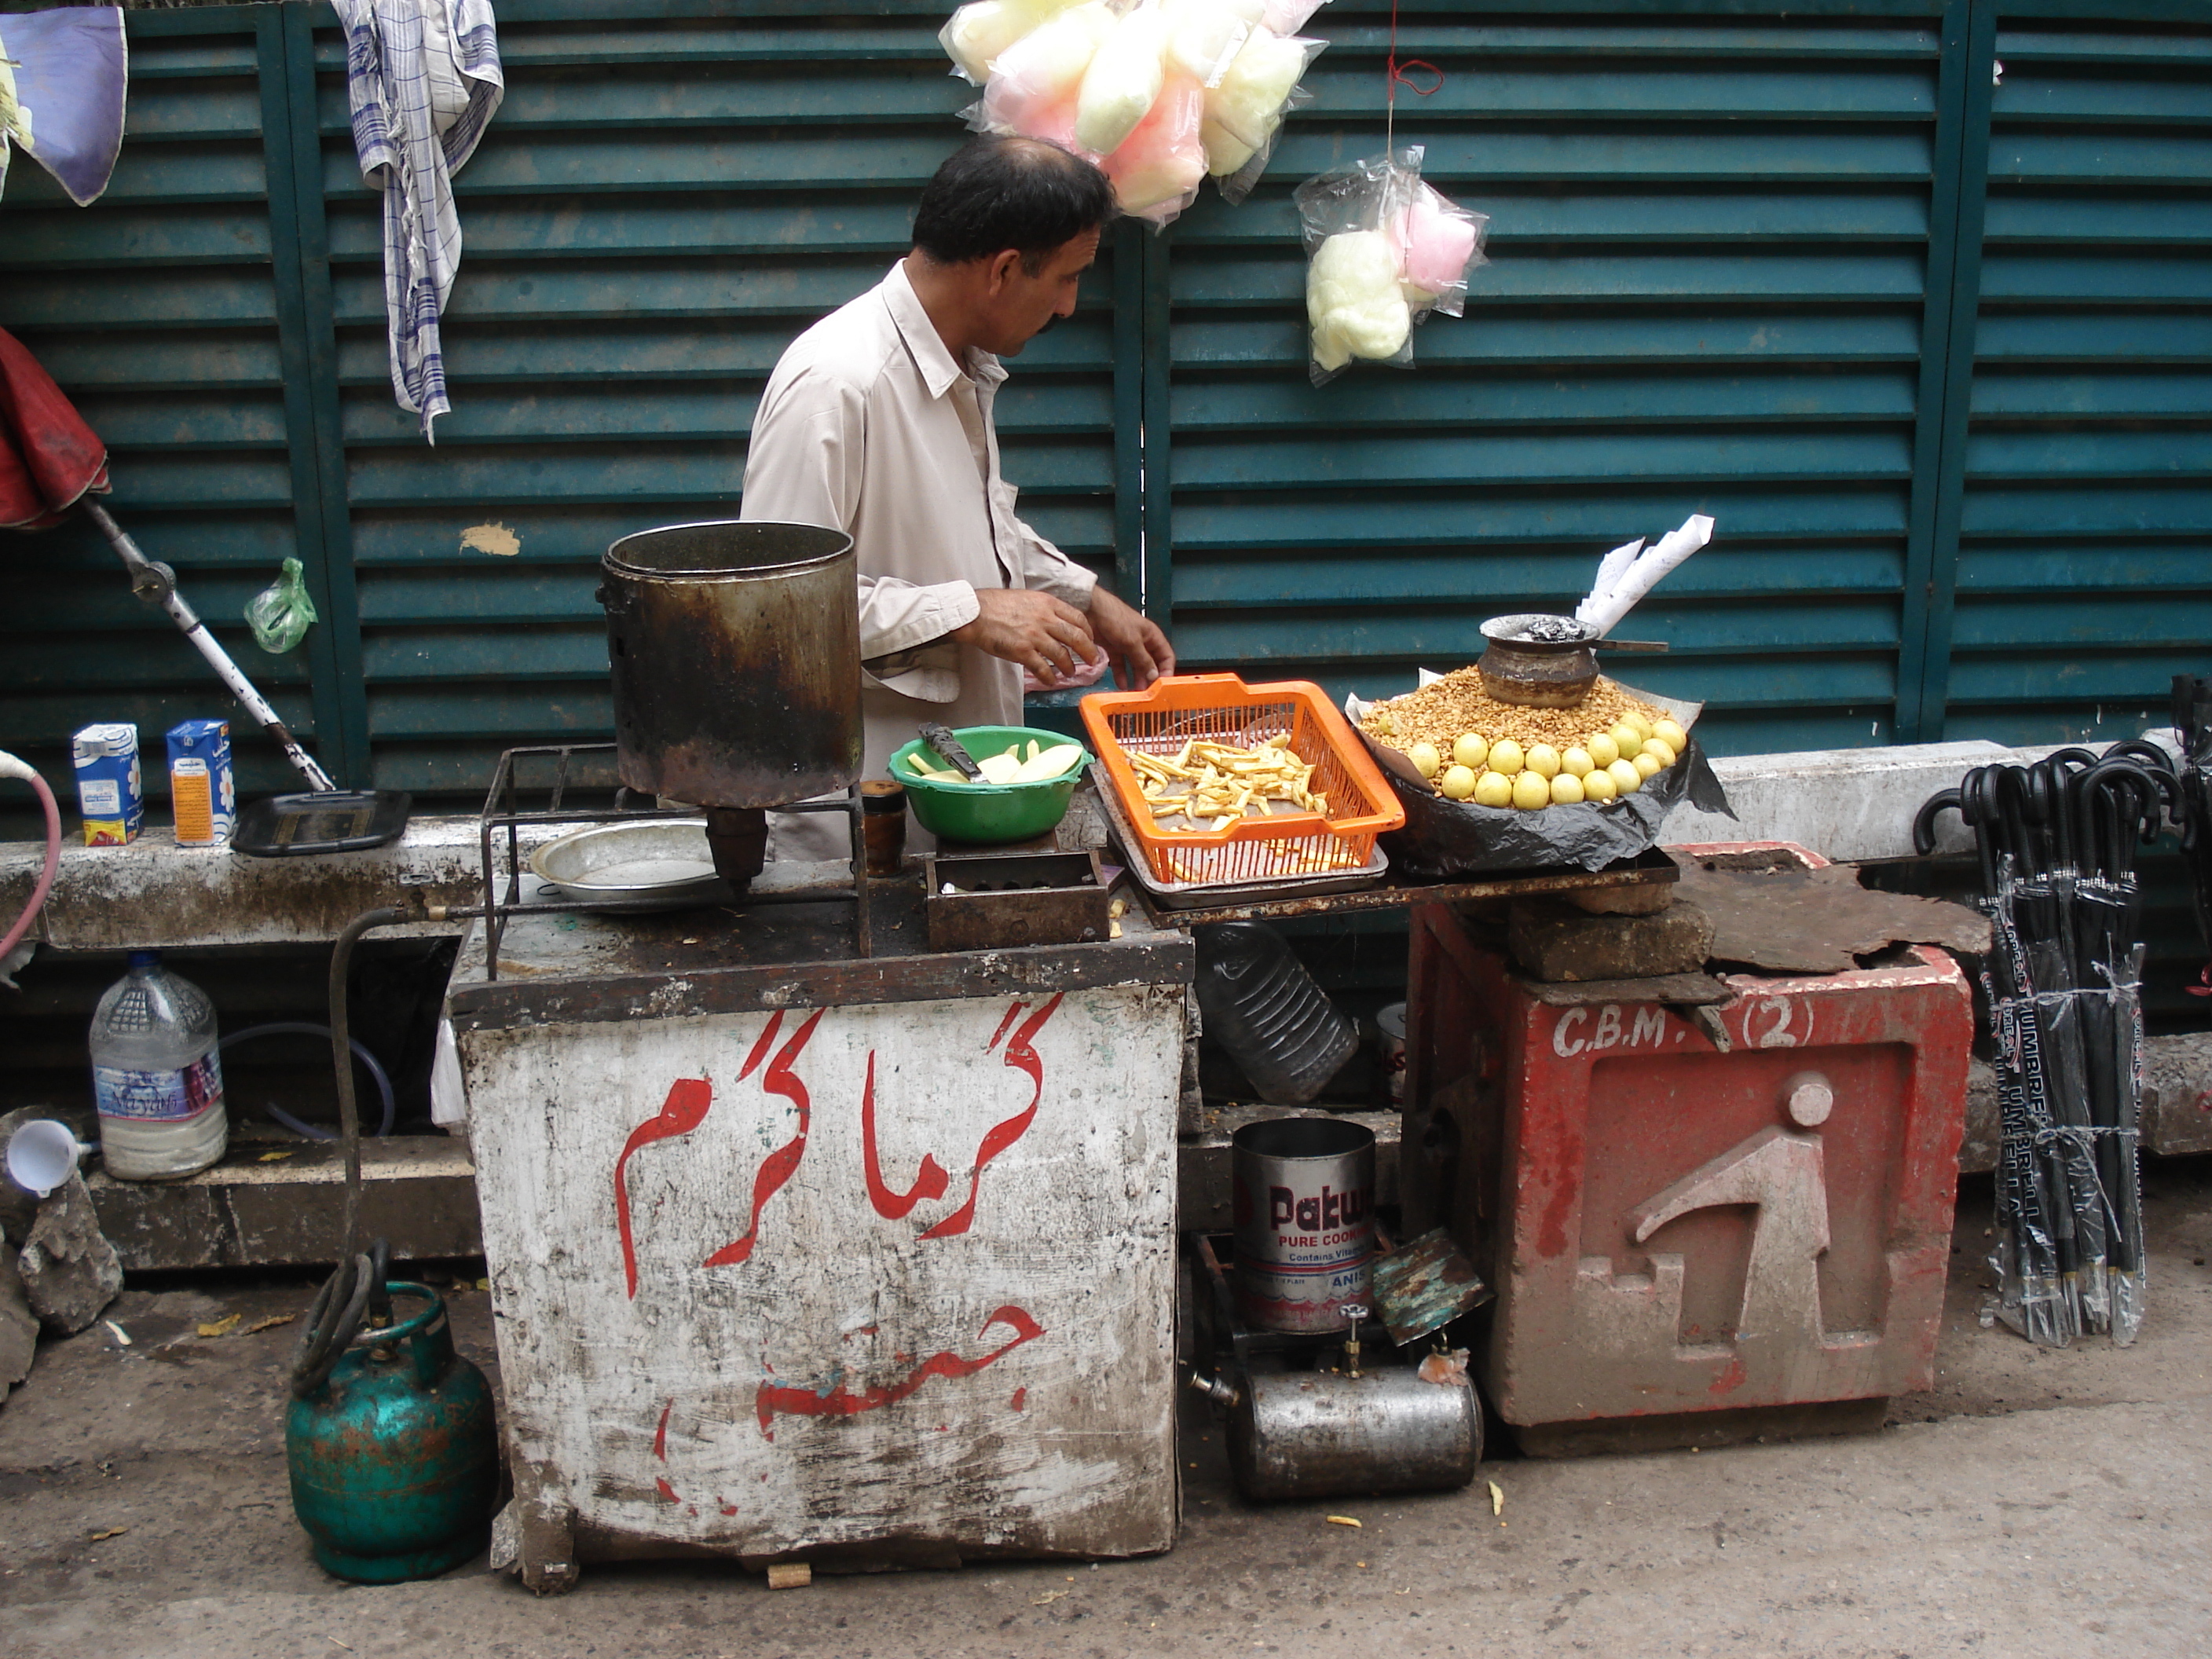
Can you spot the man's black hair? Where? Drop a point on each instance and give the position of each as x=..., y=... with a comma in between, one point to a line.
x=995, y=193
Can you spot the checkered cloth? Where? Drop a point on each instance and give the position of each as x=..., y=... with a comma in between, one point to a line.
x=424, y=78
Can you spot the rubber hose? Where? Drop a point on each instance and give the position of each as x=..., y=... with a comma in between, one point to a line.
x=342, y=1056
x=308, y=1028
x=11, y=767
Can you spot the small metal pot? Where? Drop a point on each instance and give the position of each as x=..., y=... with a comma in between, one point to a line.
x=1554, y=672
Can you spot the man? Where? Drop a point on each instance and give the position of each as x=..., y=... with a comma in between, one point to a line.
x=878, y=422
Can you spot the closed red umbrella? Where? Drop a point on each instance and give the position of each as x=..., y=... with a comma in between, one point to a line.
x=50, y=459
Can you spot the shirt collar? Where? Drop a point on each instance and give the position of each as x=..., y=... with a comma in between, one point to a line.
x=926, y=345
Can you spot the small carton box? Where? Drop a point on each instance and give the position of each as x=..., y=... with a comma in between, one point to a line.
x=201, y=786
x=109, y=788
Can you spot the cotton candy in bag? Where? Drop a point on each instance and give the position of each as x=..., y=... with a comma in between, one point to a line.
x=1439, y=243
x=1158, y=167
x=1356, y=306
x=1034, y=83
x=977, y=33
x=1245, y=108
x=1123, y=80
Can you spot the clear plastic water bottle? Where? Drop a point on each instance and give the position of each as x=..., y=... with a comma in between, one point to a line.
x=156, y=1075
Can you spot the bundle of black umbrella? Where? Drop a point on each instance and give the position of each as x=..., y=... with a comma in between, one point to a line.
x=2192, y=722
x=2057, y=843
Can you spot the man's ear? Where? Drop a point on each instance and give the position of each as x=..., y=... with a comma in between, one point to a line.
x=999, y=273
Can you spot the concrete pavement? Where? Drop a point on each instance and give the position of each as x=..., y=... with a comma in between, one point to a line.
x=2035, y=1504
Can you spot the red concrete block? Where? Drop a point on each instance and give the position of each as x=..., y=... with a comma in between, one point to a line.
x=1678, y=1225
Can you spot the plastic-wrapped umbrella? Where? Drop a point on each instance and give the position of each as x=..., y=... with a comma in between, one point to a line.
x=2058, y=842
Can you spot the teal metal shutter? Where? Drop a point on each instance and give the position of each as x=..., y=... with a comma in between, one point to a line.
x=171, y=311
x=1713, y=232
x=2085, y=541
x=670, y=193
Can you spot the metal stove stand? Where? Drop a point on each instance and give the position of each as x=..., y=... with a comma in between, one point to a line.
x=503, y=811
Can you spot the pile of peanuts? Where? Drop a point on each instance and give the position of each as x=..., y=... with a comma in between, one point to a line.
x=1472, y=747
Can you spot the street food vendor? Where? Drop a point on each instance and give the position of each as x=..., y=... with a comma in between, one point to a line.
x=877, y=421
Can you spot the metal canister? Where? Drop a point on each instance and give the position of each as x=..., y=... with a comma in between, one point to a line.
x=735, y=649
x=1318, y=1434
x=1303, y=1202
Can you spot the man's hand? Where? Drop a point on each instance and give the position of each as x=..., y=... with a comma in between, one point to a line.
x=1046, y=636
x=1133, y=642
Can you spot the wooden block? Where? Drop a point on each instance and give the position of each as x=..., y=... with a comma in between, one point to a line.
x=790, y=1575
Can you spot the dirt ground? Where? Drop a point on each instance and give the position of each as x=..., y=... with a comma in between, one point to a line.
x=2033, y=1503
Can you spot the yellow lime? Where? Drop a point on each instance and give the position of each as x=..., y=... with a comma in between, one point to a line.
x=1459, y=782
x=1471, y=749
x=1566, y=789
x=1625, y=778
x=1424, y=759
x=1603, y=751
x=1532, y=790
x=1598, y=785
x=1505, y=757
x=1493, y=789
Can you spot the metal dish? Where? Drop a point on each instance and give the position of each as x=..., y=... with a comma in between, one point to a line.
x=656, y=864
x=1201, y=896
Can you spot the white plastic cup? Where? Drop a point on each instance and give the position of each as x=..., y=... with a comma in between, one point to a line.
x=42, y=1155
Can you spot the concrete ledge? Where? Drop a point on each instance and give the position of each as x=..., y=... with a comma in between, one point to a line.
x=418, y=1191
x=1848, y=804
x=155, y=895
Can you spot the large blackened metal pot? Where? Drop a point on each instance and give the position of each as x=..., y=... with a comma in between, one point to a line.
x=736, y=653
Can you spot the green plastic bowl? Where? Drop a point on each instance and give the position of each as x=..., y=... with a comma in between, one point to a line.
x=988, y=812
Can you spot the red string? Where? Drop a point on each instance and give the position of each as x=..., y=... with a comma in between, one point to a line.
x=1396, y=76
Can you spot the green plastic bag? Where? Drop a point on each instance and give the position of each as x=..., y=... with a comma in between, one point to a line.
x=281, y=614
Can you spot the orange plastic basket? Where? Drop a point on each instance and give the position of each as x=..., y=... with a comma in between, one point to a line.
x=1159, y=720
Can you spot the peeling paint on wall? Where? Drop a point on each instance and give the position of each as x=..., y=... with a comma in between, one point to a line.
x=494, y=538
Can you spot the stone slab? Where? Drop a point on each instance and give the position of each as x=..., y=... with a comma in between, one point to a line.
x=1557, y=942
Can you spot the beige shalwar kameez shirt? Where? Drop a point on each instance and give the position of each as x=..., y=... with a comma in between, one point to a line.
x=868, y=426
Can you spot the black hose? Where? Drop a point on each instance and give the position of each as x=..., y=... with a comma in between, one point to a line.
x=342, y=1055
x=335, y=1315
x=308, y=1028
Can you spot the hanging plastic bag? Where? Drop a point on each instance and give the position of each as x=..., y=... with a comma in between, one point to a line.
x=281, y=614
x=1439, y=244
x=1356, y=304
x=1205, y=36
x=1123, y=80
x=1034, y=83
x=1245, y=108
x=1160, y=167
x=977, y=34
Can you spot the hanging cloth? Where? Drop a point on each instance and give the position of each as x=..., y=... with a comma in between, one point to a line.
x=49, y=458
x=63, y=75
x=424, y=78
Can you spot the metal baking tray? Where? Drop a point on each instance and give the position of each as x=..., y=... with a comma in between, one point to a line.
x=1203, y=895
x=656, y=864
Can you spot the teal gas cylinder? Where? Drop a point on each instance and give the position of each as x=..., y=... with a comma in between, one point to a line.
x=394, y=1458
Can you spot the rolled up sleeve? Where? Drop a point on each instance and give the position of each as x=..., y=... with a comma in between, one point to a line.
x=1038, y=563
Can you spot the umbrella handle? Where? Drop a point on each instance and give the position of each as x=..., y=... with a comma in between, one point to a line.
x=150, y=580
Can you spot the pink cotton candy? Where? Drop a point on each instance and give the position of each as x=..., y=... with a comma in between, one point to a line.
x=1438, y=243
x=1160, y=165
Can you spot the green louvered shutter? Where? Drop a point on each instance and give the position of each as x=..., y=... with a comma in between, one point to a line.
x=2085, y=547
x=669, y=194
x=164, y=314
x=1713, y=229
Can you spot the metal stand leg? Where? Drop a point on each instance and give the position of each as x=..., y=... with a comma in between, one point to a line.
x=863, y=943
